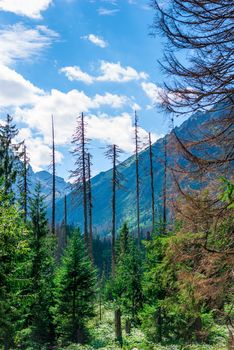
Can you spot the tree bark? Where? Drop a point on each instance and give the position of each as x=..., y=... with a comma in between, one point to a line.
x=118, y=327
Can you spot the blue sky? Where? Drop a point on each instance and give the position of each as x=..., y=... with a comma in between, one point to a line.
x=64, y=57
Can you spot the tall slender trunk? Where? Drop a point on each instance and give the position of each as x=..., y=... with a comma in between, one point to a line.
x=152, y=182
x=65, y=219
x=113, y=210
x=53, y=178
x=137, y=180
x=84, y=181
x=25, y=186
x=165, y=188
x=90, y=206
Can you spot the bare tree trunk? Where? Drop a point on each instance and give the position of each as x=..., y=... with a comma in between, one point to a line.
x=113, y=210
x=165, y=188
x=65, y=220
x=90, y=206
x=152, y=182
x=137, y=180
x=118, y=327
x=53, y=178
x=25, y=186
x=84, y=181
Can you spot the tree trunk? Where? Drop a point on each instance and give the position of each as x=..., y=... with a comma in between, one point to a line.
x=128, y=326
x=90, y=206
x=152, y=183
x=53, y=178
x=84, y=182
x=118, y=327
x=137, y=181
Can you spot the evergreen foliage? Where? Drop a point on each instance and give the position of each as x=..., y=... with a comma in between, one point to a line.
x=38, y=324
x=74, y=292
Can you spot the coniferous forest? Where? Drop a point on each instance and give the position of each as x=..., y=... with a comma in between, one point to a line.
x=165, y=283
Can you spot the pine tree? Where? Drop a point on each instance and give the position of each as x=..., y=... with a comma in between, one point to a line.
x=74, y=292
x=42, y=270
x=9, y=155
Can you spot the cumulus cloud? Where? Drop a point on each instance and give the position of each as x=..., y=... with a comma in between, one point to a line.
x=20, y=42
x=65, y=107
x=28, y=8
x=153, y=92
x=96, y=40
x=109, y=72
x=120, y=130
x=15, y=90
x=39, y=152
x=75, y=73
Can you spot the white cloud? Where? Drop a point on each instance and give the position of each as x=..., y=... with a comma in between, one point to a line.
x=38, y=151
x=153, y=92
x=120, y=130
x=109, y=72
x=65, y=107
x=96, y=40
x=116, y=73
x=20, y=42
x=15, y=90
x=107, y=12
x=75, y=73
x=28, y=8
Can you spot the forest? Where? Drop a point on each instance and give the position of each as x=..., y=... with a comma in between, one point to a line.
x=165, y=284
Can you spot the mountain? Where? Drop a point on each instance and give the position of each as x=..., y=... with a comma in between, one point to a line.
x=126, y=199
x=45, y=179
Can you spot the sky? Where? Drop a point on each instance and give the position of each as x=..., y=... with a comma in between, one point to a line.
x=64, y=57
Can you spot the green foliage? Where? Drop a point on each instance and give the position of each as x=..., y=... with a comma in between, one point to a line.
x=9, y=155
x=37, y=322
x=125, y=288
x=74, y=292
x=13, y=249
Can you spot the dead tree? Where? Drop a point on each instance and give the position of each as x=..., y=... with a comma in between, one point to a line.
x=113, y=153
x=65, y=220
x=80, y=174
x=53, y=178
x=137, y=148
x=165, y=187
x=205, y=29
x=90, y=208
x=24, y=182
x=152, y=182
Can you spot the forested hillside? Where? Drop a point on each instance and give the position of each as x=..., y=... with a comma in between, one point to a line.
x=139, y=257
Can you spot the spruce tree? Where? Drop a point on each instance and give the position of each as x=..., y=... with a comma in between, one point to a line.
x=74, y=293
x=13, y=249
x=9, y=155
x=42, y=270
